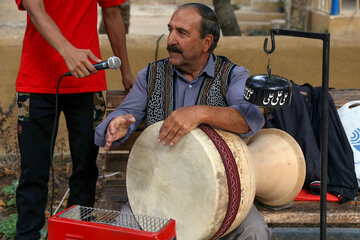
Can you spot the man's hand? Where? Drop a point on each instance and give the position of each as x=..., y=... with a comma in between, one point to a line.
x=117, y=129
x=180, y=122
x=128, y=81
x=77, y=61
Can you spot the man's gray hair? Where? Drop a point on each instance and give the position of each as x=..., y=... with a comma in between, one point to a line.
x=209, y=23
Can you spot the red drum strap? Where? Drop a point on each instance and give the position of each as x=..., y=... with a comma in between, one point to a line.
x=232, y=176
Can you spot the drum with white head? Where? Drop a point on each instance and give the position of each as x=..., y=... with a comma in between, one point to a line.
x=208, y=180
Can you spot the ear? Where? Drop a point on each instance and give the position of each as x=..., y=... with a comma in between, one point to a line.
x=207, y=40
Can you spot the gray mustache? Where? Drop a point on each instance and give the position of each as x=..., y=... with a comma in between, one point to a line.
x=174, y=48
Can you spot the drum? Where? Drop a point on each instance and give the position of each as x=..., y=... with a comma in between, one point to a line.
x=207, y=181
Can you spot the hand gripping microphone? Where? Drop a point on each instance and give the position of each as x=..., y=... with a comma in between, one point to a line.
x=112, y=63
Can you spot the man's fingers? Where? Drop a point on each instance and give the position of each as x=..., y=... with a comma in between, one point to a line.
x=108, y=140
x=168, y=131
x=114, y=125
x=107, y=146
x=89, y=68
x=74, y=74
x=93, y=57
x=129, y=119
x=170, y=137
x=163, y=132
x=177, y=137
x=86, y=66
x=84, y=71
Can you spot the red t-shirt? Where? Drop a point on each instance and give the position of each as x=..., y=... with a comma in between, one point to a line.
x=41, y=66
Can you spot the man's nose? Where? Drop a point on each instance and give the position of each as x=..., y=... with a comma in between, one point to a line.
x=171, y=38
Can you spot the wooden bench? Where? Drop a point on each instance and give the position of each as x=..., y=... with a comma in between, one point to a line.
x=302, y=214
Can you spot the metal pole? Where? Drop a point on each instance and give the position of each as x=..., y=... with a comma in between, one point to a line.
x=325, y=37
x=324, y=134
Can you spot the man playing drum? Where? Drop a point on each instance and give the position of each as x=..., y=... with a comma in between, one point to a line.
x=191, y=87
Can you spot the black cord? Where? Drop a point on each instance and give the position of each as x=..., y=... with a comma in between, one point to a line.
x=157, y=46
x=52, y=144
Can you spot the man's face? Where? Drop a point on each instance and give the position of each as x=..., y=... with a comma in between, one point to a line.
x=185, y=46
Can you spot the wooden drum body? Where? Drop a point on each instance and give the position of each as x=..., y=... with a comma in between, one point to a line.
x=188, y=181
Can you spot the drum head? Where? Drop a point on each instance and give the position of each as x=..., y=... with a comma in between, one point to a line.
x=185, y=182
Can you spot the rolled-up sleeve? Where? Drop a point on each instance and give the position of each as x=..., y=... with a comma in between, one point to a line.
x=235, y=98
x=134, y=103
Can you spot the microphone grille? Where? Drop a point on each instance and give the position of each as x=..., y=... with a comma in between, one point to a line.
x=114, y=62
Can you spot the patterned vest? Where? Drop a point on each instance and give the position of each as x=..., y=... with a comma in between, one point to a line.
x=161, y=88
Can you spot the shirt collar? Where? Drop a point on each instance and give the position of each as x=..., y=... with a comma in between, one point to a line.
x=209, y=68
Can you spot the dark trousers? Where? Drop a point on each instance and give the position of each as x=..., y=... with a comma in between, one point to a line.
x=82, y=111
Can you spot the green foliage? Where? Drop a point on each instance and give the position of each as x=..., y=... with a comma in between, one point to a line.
x=8, y=226
x=11, y=202
x=43, y=232
x=11, y=190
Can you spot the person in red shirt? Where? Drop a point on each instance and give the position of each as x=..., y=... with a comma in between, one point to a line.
x=60, y=37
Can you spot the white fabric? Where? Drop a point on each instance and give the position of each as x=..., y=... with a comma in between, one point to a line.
x=349, y=115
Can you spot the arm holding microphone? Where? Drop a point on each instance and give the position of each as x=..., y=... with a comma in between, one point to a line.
x=77, y=60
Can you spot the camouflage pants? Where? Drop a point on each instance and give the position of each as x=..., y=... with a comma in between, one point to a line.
x=36, y=115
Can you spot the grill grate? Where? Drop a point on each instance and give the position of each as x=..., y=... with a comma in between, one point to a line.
x=115, y=218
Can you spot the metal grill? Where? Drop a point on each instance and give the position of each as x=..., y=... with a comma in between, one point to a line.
x=115, y=218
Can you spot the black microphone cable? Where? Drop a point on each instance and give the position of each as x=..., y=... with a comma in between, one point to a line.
x=52, y=142
x=52, y=146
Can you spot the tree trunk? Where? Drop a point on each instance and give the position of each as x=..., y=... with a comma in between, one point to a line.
x=125, y=13
x=226, y=17
x=298, y=14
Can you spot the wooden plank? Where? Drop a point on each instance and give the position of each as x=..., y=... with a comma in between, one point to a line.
x=114, y=195
x=127, y=145
x=116, y=162
x=342, y=96
x=115, y=190
x=114, y=98
x=307, y=214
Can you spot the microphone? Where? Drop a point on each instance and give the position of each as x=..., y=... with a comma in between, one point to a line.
x=112, y=63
